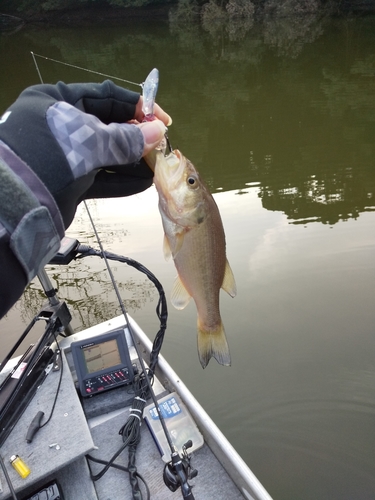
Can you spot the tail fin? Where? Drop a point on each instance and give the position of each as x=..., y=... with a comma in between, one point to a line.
x=213, y=344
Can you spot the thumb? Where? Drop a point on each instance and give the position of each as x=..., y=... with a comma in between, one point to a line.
x=153, y=133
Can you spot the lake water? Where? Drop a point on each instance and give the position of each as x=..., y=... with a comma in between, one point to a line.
x=279, y=119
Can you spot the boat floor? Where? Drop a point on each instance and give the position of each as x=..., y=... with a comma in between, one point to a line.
x=92, y=428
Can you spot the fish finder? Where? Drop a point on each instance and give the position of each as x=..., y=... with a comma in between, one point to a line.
x=102, y=363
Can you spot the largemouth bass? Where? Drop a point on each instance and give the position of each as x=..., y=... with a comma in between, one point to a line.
x=194, y=237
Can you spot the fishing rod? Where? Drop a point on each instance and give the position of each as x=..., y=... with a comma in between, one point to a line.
x=178, y=470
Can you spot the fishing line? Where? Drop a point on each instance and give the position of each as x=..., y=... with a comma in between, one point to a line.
x=131, y=430
x=165, y=430
x=36, y=66
x=80, y=68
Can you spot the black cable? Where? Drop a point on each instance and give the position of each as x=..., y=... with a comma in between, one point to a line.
x=96, y=477
x=161, y=311
x=9, y=482
x=161, y=308
x=122, y=468
x=128, y=431
x=36, y=422
x=11, y=411
x=132, y=429
x=57, y=353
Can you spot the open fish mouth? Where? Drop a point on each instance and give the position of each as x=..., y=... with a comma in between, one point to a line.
x=169, y=173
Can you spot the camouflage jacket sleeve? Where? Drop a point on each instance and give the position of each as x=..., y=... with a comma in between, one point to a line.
x=67, y=133
x=60, y=144
x=30, y=226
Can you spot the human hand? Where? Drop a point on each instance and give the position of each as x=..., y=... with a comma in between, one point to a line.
x=151, y=129
x=83, y=140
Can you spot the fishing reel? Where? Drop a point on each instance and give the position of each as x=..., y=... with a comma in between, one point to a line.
x=178, y=471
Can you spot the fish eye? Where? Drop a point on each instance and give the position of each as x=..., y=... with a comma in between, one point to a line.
x=192, y=181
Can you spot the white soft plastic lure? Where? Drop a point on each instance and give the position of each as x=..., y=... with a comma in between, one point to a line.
x=150, y=89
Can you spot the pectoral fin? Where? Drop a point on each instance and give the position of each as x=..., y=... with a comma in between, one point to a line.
x=178, y=242
x=229, y=284
x=180, y=297
x=173, y=246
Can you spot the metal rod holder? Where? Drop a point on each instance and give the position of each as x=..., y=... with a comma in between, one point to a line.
x=51, y=294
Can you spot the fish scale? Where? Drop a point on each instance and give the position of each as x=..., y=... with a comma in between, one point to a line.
x=194, y=236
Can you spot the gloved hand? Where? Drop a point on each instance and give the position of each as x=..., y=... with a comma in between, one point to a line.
x=60, y=144
x=76, y=139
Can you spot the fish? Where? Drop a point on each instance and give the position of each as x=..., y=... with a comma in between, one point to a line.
x=194, y=237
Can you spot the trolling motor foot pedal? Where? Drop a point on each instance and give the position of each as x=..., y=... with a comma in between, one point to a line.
x=50, y=491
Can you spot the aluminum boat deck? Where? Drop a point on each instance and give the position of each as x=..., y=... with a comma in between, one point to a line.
x=90, y=426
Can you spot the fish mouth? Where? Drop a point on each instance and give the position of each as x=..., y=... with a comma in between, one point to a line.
x=172, y=169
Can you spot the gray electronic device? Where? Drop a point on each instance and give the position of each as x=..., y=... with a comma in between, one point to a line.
x=102, y=362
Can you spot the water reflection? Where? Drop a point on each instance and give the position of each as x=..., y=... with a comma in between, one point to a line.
x=290, y=25
x=88, y=293
x=281, y=126
x=317, y=200
x=269, y=110
x=84, y=284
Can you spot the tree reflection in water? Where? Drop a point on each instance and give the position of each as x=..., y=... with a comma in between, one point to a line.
x=88, y=293
x=284, y=102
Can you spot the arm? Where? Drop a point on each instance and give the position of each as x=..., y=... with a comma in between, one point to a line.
x=60, y=144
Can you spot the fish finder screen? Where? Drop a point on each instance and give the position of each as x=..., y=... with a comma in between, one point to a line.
x=101, y=356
